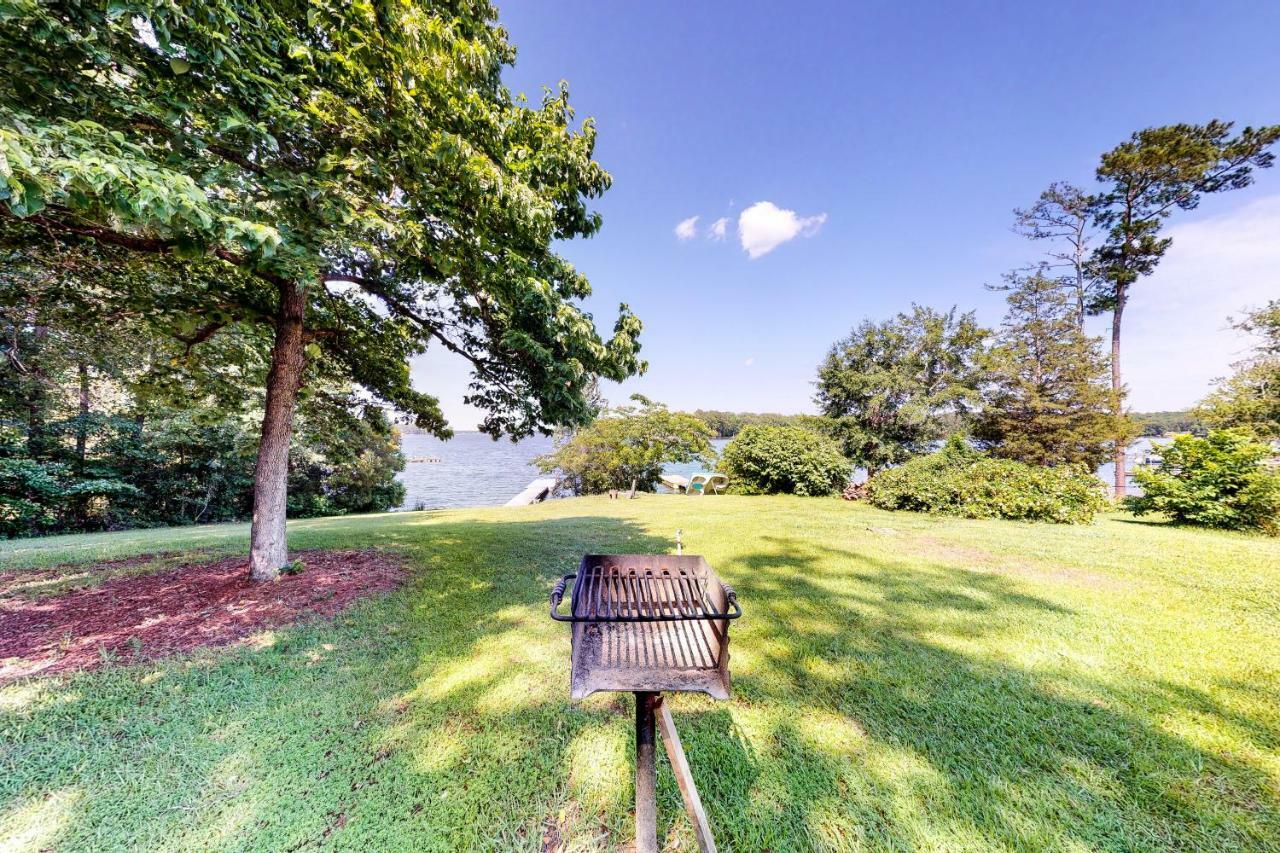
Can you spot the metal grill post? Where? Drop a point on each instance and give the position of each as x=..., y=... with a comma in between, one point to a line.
x=646, y=776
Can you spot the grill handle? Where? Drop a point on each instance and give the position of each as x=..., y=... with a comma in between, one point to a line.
x=731, y=598
x=557, y=595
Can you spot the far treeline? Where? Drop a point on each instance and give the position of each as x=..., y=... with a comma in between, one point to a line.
x=729, y=424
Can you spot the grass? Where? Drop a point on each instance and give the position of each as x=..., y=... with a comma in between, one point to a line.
x=901, y=682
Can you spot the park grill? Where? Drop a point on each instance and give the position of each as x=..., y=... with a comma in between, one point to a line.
x=645, y=624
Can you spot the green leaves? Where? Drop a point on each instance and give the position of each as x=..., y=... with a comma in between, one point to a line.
x=1216, y=481
x=629, y=444
x=371, y=141
x=784, y=460
x=957, y=481
x=1155, y=172
x=892, y=385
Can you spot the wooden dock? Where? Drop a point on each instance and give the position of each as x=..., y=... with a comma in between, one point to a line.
x=539, y=490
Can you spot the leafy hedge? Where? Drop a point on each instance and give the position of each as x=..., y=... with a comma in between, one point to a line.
x=958, y=480
x=1218, y=481
x=765, y=460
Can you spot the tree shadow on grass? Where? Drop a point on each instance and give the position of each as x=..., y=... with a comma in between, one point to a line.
x=952, y=746
x=867, y=712
x=437, y=718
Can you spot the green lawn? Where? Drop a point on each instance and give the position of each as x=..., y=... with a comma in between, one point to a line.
x=901, y=682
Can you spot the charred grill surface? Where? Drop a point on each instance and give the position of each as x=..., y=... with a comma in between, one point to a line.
x=648, y=623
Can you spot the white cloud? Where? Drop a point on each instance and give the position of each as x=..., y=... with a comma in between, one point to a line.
x=764, y=226
x=719, y=228
x=1176, y=335
x=750, y=361
x=687, y=229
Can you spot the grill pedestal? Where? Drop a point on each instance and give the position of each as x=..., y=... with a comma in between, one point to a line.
x=646, y=775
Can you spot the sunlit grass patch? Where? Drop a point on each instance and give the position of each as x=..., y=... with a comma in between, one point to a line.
x=949, y=685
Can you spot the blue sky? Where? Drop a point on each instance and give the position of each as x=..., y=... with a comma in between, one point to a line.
x=901, y=136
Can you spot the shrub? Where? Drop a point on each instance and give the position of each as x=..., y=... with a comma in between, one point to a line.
x=628, y=447
x=764, y=460
x=1216, y=481
x=958, y=480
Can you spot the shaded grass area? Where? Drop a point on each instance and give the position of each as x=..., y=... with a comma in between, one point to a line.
x=901, y=682
x=69, y=577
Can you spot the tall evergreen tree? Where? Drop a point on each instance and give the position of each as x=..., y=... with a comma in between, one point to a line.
x=1145, y=179
x=1047, y=400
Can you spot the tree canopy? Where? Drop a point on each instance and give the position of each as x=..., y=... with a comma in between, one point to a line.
x=893, y=387
x=1046, y=398
x=1249, y=398
x=353, y=177
x=627, y=448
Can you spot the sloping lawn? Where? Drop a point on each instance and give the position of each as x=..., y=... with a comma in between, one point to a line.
x=901, y=682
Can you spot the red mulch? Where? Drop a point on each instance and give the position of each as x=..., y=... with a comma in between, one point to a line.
x=203, y=604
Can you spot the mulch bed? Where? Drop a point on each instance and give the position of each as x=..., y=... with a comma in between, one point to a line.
x=192, y=606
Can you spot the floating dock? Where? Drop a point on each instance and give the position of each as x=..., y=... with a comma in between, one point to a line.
x=539, y=490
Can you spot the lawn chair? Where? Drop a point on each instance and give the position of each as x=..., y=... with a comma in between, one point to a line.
x=700, y=484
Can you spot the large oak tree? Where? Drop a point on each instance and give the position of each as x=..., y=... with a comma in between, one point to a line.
x=893, y=388
x=354, y=176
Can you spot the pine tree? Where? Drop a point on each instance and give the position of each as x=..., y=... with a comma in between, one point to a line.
x=1047, y=400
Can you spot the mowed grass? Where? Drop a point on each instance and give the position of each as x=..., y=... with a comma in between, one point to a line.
x=901, y=682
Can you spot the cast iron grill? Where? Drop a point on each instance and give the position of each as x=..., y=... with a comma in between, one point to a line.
x=648, y=622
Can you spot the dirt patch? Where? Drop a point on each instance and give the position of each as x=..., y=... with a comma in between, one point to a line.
x=195, y=605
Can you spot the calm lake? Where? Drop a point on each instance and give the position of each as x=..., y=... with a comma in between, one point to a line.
x=475, y=470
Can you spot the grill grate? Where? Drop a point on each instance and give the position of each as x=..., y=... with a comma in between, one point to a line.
x=613, y=592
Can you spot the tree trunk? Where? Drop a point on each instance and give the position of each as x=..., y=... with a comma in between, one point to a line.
x=82, y=428
x=634, y=483
x=268, y=548
x=36, y=402
x=1117, y=395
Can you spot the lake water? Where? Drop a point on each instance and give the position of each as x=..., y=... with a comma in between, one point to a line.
x=475, y=470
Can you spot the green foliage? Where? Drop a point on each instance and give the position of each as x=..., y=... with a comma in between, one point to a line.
x=958, y=480
x=1163, y=423
x=1157, y=171
x=627, y=446
x=765, y=460
x=352, y=180
x=892, y=388
x=1216, y=481
x=283, y=147
x=1046, y=394
x=1249, y=399
x=729, y=424
x=345, y=462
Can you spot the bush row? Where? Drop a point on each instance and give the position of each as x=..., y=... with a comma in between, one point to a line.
x=960, y=481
